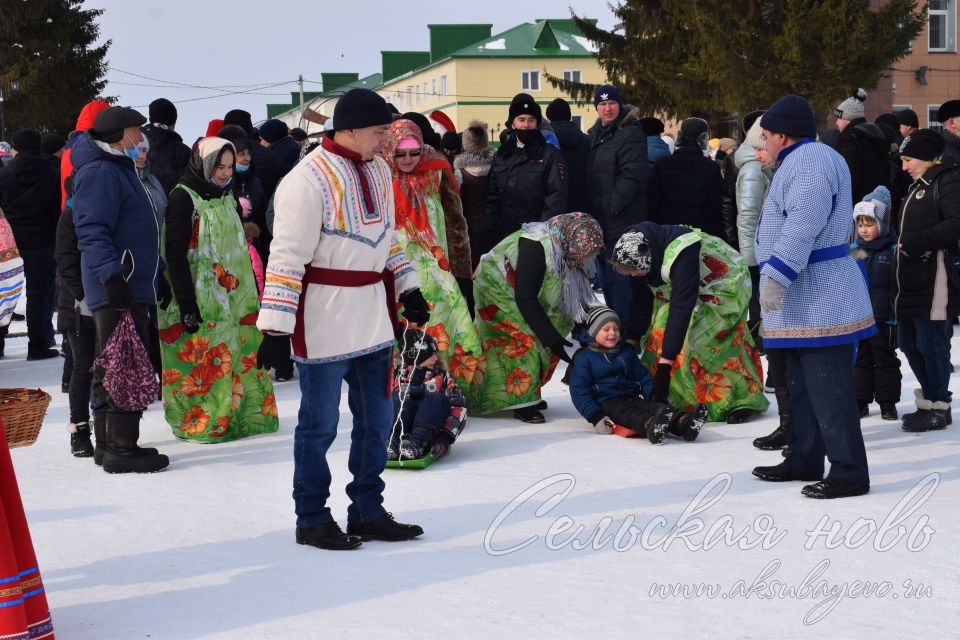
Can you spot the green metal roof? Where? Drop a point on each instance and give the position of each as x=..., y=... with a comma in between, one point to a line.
x=542, y=39
x=447, y=38
x=369, y=82
x=397, y=63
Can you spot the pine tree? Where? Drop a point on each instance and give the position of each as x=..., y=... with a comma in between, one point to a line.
x=46, y=49
x=684, y=57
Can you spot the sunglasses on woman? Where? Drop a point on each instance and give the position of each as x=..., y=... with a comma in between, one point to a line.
x=414, y=153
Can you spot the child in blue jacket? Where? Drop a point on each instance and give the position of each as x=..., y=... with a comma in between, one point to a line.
x=876, y=374
x=609, y=385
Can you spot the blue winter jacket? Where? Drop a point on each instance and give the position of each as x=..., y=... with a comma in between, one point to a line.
x=599, y=374
x=657, y=149
x=117, y=231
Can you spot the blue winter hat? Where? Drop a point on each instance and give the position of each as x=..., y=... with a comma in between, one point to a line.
x=790, y=115
x=273, y=130
x=875, y=205
x=606, y=92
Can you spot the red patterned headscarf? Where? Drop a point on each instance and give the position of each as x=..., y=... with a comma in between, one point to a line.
x=578, y=235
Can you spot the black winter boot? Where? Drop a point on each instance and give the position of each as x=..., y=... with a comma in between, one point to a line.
x=100, y=432
x=80, y=445
x=932, y=419
x=122, y=454
x=688, y=425
x=778, y=439
x=658, y=424
x=888, y=410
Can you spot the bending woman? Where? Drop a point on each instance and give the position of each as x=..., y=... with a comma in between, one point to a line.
x=690, y=296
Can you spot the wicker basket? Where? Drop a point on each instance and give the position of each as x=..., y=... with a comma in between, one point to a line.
x=22, y=411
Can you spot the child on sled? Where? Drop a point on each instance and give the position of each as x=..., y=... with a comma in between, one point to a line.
x=428, y=406
x=609, y=386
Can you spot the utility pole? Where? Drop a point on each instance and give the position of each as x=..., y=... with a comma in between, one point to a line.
x=300, y=82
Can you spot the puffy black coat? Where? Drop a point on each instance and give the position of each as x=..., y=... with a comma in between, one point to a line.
x=526, y=185
x=866, y=151
x=619, y=170
x=30, y=199
x=877, y=256
x=167, y=157
x=288, y=150
x=728, y=201
x=270, y=168
x=575, y=146
x=951, y=152
x=685, y=189
x=929, y=226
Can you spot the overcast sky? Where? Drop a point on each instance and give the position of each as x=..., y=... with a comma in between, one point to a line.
x=246, y=44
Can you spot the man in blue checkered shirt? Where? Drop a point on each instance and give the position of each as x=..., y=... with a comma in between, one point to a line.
x=814, y=302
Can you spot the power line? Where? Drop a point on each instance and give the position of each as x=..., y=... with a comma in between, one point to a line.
x=229, y=93
x=224, y=88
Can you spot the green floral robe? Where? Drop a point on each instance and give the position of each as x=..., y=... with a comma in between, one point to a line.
x=514, y=365
x=212, y=389
x=719, y=364
x=450, y=322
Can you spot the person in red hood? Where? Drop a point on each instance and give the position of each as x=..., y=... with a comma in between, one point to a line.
x=84, y=122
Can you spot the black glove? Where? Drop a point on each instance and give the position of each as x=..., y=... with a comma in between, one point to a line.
x=415, y=308
x=164, y=294
x=119, y=295
x=559, y=349
x=661, y=382
x=190, y=317
x=274, y=352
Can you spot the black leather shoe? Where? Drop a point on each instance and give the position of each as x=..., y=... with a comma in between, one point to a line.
x=384, y=528
x=739, y=416
x=530, y=415
x=828, y=489
x=781, y=473
x=542, y=405
x=775, y=441
x=327, y=536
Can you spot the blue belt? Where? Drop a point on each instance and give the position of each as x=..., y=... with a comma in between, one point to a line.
x=822, y=255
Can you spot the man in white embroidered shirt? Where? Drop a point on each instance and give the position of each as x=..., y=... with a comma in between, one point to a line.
x=334, y=213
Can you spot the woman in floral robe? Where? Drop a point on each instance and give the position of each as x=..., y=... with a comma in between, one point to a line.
x=212, y=388
x=690, y=297
x=530, y=289
x=432, y=231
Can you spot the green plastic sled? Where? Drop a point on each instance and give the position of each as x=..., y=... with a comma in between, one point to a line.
x=412, y=463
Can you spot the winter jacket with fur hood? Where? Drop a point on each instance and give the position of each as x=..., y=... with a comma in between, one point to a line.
x=472, y=168
x=753, y=180
x=619, y=170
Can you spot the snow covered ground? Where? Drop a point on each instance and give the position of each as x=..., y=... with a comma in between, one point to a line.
x=206, y=549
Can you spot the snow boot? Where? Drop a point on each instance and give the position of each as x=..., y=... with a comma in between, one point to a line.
x=658, y=424
x=933, y=419
x=530, y=415
x=410, y=450
x=80, y=445
x=739, y=416
x=122, y=454
x=923, y=406
x=888, y=410
x=778, y=439
x=688, y=425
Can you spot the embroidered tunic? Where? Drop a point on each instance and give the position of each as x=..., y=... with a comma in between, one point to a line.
x=333, y=211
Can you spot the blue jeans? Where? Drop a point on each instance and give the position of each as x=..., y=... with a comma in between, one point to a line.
x=823, y=414
x=372, y=409
x=40, y=273
x=926, y=343
x=616, y=287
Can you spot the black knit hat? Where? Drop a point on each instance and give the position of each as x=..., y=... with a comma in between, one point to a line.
x=558, y=110
x=240, y=118
x=606, y=92
x=52, y=142
x=360, y=108
x=949, y=109
x=273, y=130
x=163, y=112
x=430, y=136
x=109, y=124
x=27, y=140
x=909, y=118
x=235, y=134
x=651, y=126
x=694, y=132
x=524, y=104
x=451, y=141
x=922, y=144
x=416, y=346
x=792, y=116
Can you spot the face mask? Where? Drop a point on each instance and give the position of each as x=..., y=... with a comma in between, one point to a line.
x=526, y=135
x=222, y=186
x=242, y=168
x=133, y=153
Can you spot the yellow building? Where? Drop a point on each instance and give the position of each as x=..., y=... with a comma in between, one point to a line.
x=469, y=73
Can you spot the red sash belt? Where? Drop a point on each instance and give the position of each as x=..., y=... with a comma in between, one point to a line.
x=343, y=278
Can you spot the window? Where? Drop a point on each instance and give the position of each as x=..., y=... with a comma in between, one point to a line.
x=572, y=75
x=433, y=87
x=577, y=120
x=932, y=122
x=409, y=96
x=530, y=80
x=942, y=25
x=426, y=90
x=443, y=85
